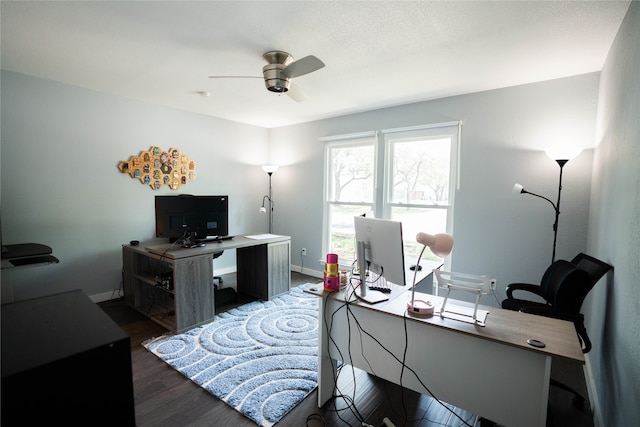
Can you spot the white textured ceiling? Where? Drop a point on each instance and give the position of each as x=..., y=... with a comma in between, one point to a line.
x=377, y=53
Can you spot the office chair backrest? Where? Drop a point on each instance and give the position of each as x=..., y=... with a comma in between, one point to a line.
x=565, y=286
x=593, y=266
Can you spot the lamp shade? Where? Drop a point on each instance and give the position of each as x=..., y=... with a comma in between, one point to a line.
x=563, y=152
x=517, y=189
x=440, y=244
x=269, y=168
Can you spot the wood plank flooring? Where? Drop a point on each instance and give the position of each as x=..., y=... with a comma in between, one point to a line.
x=164, y=397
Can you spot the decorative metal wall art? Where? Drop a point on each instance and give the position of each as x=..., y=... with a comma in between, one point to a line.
x=157, y=168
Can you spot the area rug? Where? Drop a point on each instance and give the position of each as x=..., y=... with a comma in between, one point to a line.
x=260, y=358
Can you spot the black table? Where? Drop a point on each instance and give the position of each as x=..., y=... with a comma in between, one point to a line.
x=64, y=361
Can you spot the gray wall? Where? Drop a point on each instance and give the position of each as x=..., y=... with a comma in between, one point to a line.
x=61, y=186
x=60, y=183
x=614, y=232
x=504, y=135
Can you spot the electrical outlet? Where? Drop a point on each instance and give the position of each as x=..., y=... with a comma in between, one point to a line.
x=304, y=251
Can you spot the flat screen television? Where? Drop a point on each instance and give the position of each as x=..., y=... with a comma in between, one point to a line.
x=204, y=216
x=384, y=252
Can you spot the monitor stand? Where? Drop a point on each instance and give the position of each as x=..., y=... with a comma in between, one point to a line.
x=372, y=297
x=369, y=296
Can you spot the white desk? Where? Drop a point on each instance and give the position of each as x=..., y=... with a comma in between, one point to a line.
x=490, y=371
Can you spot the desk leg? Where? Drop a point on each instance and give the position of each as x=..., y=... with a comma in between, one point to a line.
x=326, y=367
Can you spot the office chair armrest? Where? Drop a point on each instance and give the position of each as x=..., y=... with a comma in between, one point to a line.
x=527, y=287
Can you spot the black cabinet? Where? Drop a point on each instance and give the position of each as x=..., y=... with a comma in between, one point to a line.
x=64, y=362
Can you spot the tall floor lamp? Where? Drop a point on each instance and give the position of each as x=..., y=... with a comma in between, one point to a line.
x=269, y=169
x=561, y=157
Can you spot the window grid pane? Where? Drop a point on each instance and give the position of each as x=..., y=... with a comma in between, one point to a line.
x=342, y=231
x=351, y=172
x=420, y=171
x=415, y=220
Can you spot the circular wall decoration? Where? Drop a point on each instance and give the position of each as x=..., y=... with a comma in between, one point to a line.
x=157, y=168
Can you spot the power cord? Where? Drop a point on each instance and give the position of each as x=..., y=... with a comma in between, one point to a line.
x=495, y=295
x=338, y=369
x=350, y=400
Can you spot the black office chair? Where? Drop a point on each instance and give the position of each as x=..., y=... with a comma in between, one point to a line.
x=564, y=286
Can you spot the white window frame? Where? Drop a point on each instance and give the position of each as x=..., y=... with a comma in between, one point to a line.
x=348, y=140
x=434, y=131
x=382, y=141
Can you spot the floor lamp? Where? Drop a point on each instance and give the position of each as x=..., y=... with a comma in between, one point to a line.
x=561, y=157
x=269, y=169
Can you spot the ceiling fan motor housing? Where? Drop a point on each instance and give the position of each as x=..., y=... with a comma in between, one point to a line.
x=274, y=79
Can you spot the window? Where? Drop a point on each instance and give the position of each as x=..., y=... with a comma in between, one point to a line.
x=406, y=175
x=350, y=176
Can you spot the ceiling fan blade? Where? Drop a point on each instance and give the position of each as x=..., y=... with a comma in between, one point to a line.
x=296, y=93
x=236, y=77
x=302, y=66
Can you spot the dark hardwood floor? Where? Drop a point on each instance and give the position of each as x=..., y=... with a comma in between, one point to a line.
x=164, y=397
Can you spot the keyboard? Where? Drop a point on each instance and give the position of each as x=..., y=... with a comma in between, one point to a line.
x=34, y=260
x=211, y=239
x=383, y=289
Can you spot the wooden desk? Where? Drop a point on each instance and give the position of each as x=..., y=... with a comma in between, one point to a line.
x=174, y=286
x=490, y=371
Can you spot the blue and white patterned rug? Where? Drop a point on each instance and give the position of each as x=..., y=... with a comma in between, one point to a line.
x=260, y=358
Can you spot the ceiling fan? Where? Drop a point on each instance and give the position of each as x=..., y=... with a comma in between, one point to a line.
x=279, y=71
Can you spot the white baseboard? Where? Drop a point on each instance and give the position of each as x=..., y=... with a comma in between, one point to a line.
x=308, y=271
x=106, y=296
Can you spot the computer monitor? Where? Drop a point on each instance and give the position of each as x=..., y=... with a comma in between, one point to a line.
x=176, y=216
x=384, y=253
